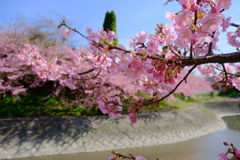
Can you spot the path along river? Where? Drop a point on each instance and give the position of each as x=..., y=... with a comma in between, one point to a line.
x=205, y=147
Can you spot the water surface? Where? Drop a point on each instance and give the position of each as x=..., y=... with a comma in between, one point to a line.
x=202, y=148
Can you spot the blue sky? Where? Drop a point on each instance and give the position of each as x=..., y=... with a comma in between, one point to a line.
x=132, y=15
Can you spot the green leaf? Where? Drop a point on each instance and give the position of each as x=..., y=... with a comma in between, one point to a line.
x=164, y=48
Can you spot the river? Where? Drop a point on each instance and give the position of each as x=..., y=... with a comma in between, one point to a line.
x=202, y=148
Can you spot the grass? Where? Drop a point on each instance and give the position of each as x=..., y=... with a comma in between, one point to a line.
x=36, y=106
x=230, y=92
x=182, y=101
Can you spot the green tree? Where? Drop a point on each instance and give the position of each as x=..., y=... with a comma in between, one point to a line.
x=110, y=24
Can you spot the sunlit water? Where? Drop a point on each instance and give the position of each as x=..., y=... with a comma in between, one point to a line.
x=202, y=148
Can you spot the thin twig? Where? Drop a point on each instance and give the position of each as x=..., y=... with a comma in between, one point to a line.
x=123, y=156
x=86, y=72
x=173, y=51
x=191, y=51
x=73, y=29
x=184, y=79
x=225, y=72
x=92, y=77
x=210, y=52
x=169, y=1
x=82, y=73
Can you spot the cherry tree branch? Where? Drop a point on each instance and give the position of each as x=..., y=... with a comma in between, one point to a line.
x=210, y=52
x=173, y=51
x=93, y=76
x=169, y=1
x=63, y=23
x=191, y=60
x=82, y=73
x=186, y=61
x=120, y=156
x=86, y=72
x=225, y=72
x=217, y=58
x=234, y=25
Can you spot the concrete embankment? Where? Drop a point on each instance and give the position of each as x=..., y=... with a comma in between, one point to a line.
x=48, y=136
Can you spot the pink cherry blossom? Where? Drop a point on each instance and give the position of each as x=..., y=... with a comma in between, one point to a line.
x=166, y=30
x=111, y=158
x=237, y=154
x=89, y=31
x=236, y=83
x=184, y=37
x=111, y=35
x=171, y=16
x=152, y=65
x=184, y=19
x=225, y=144
x=66, y=33
x=211, y=21
x=226, y=23
x=140, y=158
x=188, y=3
x=223, y=156
x=222, y=4
x=232, y=38
x=229, y=68
x=141, y=37
x=153, y=45
x=111, y=106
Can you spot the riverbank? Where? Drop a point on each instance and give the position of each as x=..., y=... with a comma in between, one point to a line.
x=49, y=136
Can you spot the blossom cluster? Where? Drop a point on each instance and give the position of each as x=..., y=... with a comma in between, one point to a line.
x=154, y=61
x=50, y=69
x=111, y=106
x=232, y=38
x=232, y=151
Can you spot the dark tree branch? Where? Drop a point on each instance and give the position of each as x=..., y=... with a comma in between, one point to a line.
x=217, y=58
x=226, y=75
x=234, y=25
x=173, y=51
x=73, y=29
x=210, y=52
x=120, y=156
x=82, y=73
x=169, y=1
x=191, y=60
x=86, y=72
x=186, y=61
x=92, y=77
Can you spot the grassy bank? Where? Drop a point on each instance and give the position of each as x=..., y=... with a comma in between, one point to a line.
x=37, y=106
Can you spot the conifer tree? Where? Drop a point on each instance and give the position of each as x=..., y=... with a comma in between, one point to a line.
x=110, y=24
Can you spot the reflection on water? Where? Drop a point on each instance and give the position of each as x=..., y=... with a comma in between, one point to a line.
x=206, y=147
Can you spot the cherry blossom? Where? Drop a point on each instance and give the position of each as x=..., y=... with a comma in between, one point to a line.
x=140, y=158
x=223, y=156
x=211, y=22
x=223, y=4
x=111, y=106
x=155, y=62
x=184, y=19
